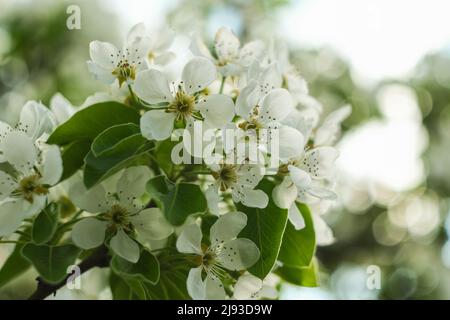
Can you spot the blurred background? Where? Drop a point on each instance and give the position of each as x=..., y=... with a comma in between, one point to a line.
x=389, y=59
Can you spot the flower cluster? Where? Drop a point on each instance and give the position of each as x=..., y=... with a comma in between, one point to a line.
x=261, y=124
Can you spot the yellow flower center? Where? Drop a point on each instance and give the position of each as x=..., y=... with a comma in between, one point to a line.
x=226, y=176
x=183, y=105
x=124, y=71
x=30, y=186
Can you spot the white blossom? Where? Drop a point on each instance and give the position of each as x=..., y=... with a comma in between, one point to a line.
x=224, y=252
x=120, y=214
x=183, y=101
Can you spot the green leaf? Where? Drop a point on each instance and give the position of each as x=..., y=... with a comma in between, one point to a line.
x=111, y=138
x=146, y=269
x=51, y=261
x=45, y=224
x=119, y=288
x=304, y=276
x=177, y=201
x=73, y=157
x=163, y=156
x=91, y=121
x=299, y=246
x=171, y=284
x=14, y=266
x=137, y=288
x=265, y=227
x=128, y=152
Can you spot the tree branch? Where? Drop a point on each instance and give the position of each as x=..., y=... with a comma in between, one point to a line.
x=98, y=258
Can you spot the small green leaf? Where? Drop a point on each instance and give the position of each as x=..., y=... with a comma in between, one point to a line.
x=130, y=151
x=73, y=157
x=177, y=201
x=137, y=288
x=51, y=261
x=45, y=224
x=304, y=276
x=112, y=137
x=119, y=288
x=15, y=265
x=91, y=121
x=265, y=227
x=171, y=284
x=163, y=156
x=299, y=246
x=146, y=269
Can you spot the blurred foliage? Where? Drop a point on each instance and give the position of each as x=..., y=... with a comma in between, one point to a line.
x=40, y=56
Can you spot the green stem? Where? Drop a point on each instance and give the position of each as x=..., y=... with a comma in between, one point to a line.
x=222, y=84
x=11, y=241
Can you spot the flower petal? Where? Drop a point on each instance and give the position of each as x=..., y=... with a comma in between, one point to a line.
x=152, y=86
x=214, y=288
x=93, y=200
x=217, y=109
x=254, y=198
x=324, y=234
x=157, y=124
x=195, y=285
x=213, y=199
x=285, y=193
x=131, y=186
x=61, y=108
x=52, y=166
x=125, y=247
x=11, y=216
x=251, y=51
x=89, y=233
x=290, y=142
x=227, y=227
x=247, y=100
x=104, y=54
x=101, y=73
x=165, y=58
x=275, y=106
x=7, y=185
x=270, y=78
x=328, y=133
x=238, y=254
x=19, y=150
x=190, y=239
x=151, y=224
x=247, y=287
x=301, y=179
x=36, y=119
x=295, y=217
x=197, y=74
x=319, y=161
x=226, y=45
x=322, y=193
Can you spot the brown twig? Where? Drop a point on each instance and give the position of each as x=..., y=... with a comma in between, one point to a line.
x=98, y=258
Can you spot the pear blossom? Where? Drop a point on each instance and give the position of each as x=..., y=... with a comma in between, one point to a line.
x=184, y=102
x=34, y=169
x=304, y=180
x=241, y=179
x=232, y=59
x=109, y=64
x=268, y=112
x=120, y=216
x=224, y=252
